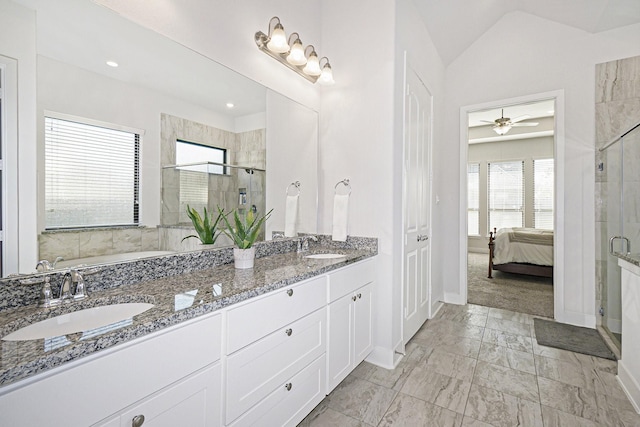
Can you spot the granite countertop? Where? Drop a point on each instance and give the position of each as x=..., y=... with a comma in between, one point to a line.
x=176, y=299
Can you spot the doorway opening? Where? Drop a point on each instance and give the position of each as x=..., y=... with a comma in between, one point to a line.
x=509, y=205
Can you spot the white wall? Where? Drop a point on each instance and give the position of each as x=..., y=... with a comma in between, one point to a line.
x=542, y=56
x=18, y=41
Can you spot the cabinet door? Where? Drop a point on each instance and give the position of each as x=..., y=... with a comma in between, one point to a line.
x=194, y=401
x=363, y=323
x=340, y=341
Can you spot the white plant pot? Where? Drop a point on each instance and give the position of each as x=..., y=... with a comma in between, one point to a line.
x=243, y=258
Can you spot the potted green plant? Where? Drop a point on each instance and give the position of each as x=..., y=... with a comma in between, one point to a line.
x=244, y=233
x=206, y=227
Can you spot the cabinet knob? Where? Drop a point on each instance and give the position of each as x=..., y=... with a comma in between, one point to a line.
x=290, y=292
x=288, y=386
x=354, y=297
x=288, y=332
x=359, y=296
x=137, y=421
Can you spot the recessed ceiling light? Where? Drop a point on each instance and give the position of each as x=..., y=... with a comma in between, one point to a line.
x=230, y=105
x=113, y=64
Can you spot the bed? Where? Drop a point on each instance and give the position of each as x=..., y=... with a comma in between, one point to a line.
x=521, y=251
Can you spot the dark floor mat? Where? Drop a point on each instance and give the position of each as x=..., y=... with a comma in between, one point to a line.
x=573, y=338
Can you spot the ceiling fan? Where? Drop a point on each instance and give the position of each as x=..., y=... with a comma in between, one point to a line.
x=504, y=124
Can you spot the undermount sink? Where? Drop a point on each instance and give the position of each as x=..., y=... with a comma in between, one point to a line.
x=78, y=321
x=325, y=256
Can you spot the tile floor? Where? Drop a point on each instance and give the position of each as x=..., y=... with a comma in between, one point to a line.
x=476, y=366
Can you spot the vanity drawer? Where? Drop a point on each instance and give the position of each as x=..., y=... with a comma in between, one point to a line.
x=348, y=279
x=255, y=371
x=292, y=399
x=260, y=316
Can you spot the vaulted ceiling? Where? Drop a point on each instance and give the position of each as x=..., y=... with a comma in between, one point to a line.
x=455, y=24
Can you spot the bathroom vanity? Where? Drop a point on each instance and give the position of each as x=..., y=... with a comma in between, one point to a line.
x=220, y=347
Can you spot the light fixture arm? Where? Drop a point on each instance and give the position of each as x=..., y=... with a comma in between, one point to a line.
x=272, y=24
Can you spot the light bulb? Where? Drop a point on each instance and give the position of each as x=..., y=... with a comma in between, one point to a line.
x=501, y=130
x=313, y=65
x=326, y=78
x=296, y=55
x=278, y=41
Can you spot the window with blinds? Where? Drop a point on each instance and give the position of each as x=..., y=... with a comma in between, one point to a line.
x=91, y=175
x=194, y=180
x=506, y=194
x=543, y=194
x=473, y=199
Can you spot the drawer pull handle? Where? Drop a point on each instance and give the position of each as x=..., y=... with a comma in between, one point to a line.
x=290, y=292
x=288, y=386
x=137, y=421
x=354, y=298
x=288, y=332
x=359, y=296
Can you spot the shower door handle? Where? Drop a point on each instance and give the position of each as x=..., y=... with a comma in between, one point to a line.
x=627, y=245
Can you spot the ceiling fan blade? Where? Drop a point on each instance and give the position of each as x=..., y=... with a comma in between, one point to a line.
x=520, y=118
x=487, y=121
x=525, y=124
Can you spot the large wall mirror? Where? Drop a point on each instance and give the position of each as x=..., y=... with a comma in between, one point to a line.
x=167, y=97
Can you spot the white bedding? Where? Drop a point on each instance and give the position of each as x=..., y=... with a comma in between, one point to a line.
x=509, y=247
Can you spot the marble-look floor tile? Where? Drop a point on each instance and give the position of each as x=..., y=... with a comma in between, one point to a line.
x=508, y=340
x=410, y=411
x=436, y=388
x=466, y=317
x=507, y=380
x=509, y=326
x=501, y=409
x=450, y=327
x=323, y=416
x=361, y=400
x=568, y=398
x=567, y=372
x=499, y=313
x=472, y=422
x=552, y=417
x=449, y=364
x=518, y=360
x=431, y=340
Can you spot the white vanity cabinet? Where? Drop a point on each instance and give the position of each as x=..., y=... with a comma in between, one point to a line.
x=350, y=322
x=171, y=374
x=276, y=367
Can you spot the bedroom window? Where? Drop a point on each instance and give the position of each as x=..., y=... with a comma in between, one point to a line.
x=543, y=194
x=506, y=194
x=473, y=201
x=91, y=174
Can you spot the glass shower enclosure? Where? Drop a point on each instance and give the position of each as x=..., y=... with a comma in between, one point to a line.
x=619, y=217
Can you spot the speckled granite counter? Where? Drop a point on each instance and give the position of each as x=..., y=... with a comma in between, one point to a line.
x=176, y=298
x=631, y=258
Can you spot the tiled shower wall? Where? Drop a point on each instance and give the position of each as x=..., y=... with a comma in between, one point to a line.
x=617, y=110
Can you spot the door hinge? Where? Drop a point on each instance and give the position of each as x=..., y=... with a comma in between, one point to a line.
x=601, y=311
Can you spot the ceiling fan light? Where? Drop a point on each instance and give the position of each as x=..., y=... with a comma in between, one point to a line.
x=501, y=130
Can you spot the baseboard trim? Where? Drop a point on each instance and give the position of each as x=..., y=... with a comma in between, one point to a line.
x=629, y=385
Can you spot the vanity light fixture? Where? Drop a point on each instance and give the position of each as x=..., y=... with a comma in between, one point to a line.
x=291, y=53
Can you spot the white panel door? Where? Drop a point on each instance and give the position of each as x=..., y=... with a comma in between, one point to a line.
x=416, y=203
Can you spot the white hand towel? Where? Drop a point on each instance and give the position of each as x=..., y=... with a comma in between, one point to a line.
x=340, y=217
x=291, y=216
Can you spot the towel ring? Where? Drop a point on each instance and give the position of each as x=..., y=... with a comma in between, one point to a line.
x=344, y=182
x=295, y=185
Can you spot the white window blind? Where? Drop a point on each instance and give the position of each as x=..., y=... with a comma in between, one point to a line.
x=543, y=194
x=506, y=194
x=194, y=180
x=473, y=199
x=91, y=175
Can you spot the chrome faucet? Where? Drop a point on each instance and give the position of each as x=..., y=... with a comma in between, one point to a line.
x=67, y=290
x=44, y=265
x=277, y=236
x=303, y=243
